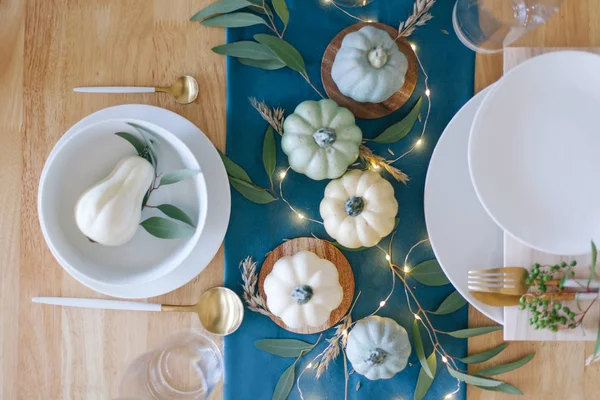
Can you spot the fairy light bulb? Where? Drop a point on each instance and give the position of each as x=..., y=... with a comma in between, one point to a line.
x=387, y=257
x=309, y=366
x=444, y=359
x=301, y=216
x=448, y=396
x=382, y=303
x=282, y=174
x=419, y=143
x=406, y=269
x=427, y=92
x=417, y=317
x=413, y=46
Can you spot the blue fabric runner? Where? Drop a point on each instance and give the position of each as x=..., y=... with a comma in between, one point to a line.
x=256, y=229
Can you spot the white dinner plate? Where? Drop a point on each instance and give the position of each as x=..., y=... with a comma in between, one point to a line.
x=462, y=235
x=534, y=152
x=218, y=200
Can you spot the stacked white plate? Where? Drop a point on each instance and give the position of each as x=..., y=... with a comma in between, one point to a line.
x=521, y=157
x=145, y=266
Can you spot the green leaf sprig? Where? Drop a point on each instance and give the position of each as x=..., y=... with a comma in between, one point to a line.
x=160, y=227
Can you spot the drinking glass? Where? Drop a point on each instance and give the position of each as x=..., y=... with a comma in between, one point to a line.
x=186, y=367
x=487, y=26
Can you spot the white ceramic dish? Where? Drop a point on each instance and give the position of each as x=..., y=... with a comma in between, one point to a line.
x=83, y=157
x=533, y=152
x=462, y=235
x=218, y=200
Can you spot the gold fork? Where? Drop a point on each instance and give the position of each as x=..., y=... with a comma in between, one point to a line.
x=512, y=281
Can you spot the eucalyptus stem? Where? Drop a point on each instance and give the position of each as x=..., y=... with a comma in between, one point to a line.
x=272, y=26
x=311, y=85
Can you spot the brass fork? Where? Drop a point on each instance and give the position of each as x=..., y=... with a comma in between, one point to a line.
x=512, y=281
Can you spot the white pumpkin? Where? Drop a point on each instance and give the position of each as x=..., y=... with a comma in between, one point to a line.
x=378, y=348
x=359, y=209
x=303, y=290
x=368, y=67
x=321, y=139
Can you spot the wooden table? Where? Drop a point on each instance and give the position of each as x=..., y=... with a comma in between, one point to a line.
x=49, y=47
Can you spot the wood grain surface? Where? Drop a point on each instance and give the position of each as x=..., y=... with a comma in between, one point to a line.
x=369, y=110
x=46, y=49
x=49, y=47
x=323, y=249
x=558, y=370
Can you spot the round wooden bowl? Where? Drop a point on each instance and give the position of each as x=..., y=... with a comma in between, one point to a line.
x=323, y=249
x=370, y=110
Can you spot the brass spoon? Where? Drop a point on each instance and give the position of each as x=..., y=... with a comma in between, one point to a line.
x=220, y=310
x=184, y=89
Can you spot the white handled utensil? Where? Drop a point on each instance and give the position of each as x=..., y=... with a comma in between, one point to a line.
x=184, y=90
x=220, y=310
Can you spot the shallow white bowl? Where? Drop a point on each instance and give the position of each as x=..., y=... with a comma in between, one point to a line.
x=533, y=152
x=82, y=158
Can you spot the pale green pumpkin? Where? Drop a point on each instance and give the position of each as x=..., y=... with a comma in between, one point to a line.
x=321, y=139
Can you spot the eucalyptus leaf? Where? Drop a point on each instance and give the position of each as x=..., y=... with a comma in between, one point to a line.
x=234, y=170
x=220, y=7
x=424, y=381
x=166, y=229
x=268, y=65
x=234, y=20
x=176, y=213
x=418, y=343
x=597, y=346
x=135, y=141
x=429, y=273
x=258, y=7
x=472, y=332
x=484, y=356
x=593, y=267
x=147, y=136
x=290, y=348
x=450, y=304
x=504, y=388
x=402, y=128
x=282, y=11
x=284, y=51
x=177, y=176
x=252, y=192
x=245, y=49
x=269, y=152
x=473, y=380
x=504, y=368
x=285, y=383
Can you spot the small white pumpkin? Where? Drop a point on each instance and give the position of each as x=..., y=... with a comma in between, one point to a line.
x=368, y=67
x=359, y=209
x=378, y=348
x=303, y=290
x=321, y=139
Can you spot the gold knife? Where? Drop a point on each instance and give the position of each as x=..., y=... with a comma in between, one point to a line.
x=507, y=300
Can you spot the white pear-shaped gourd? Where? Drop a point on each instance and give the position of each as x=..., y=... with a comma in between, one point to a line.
x=321, y=139
x=110, y=211
x=378, y=348
x=359, y=209
x=368, y=67
x=303, y=290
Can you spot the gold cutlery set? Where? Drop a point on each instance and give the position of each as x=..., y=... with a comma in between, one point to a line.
x=504, y=287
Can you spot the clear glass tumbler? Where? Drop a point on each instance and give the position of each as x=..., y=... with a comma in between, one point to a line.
x=487, y=26
x=186, y=367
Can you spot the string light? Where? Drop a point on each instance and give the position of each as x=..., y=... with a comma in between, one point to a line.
x=309, y=366
x=419, y=143
x=448, y=396
x=301, y=216
x=376, y=166
x=427, y=92
x=417, y=317
x=387, y=257
x=282, y=174
x=381, y=303
x=413, y=46
x=406, y=269
x=445, y=359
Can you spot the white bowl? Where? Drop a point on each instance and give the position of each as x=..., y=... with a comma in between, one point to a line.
x=82, y=158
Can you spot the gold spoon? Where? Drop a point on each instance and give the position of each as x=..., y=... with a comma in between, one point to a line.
x=184, y=89
x=220, y=310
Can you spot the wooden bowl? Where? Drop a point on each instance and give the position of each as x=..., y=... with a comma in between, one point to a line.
x=323, y=249
x=370, y=110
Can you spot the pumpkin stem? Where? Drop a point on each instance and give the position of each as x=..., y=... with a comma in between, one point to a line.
x=354, y=206
x=302, y=294
x=324, y=137
x=377, y=57
x=376, y=356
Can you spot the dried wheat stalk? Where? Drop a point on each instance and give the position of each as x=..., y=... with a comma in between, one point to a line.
x=340, y=338
x=250, y=278
x=366, y=155
x=274, y=116
x=419, y=17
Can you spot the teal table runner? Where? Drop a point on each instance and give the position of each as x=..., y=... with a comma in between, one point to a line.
x=256, y=229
